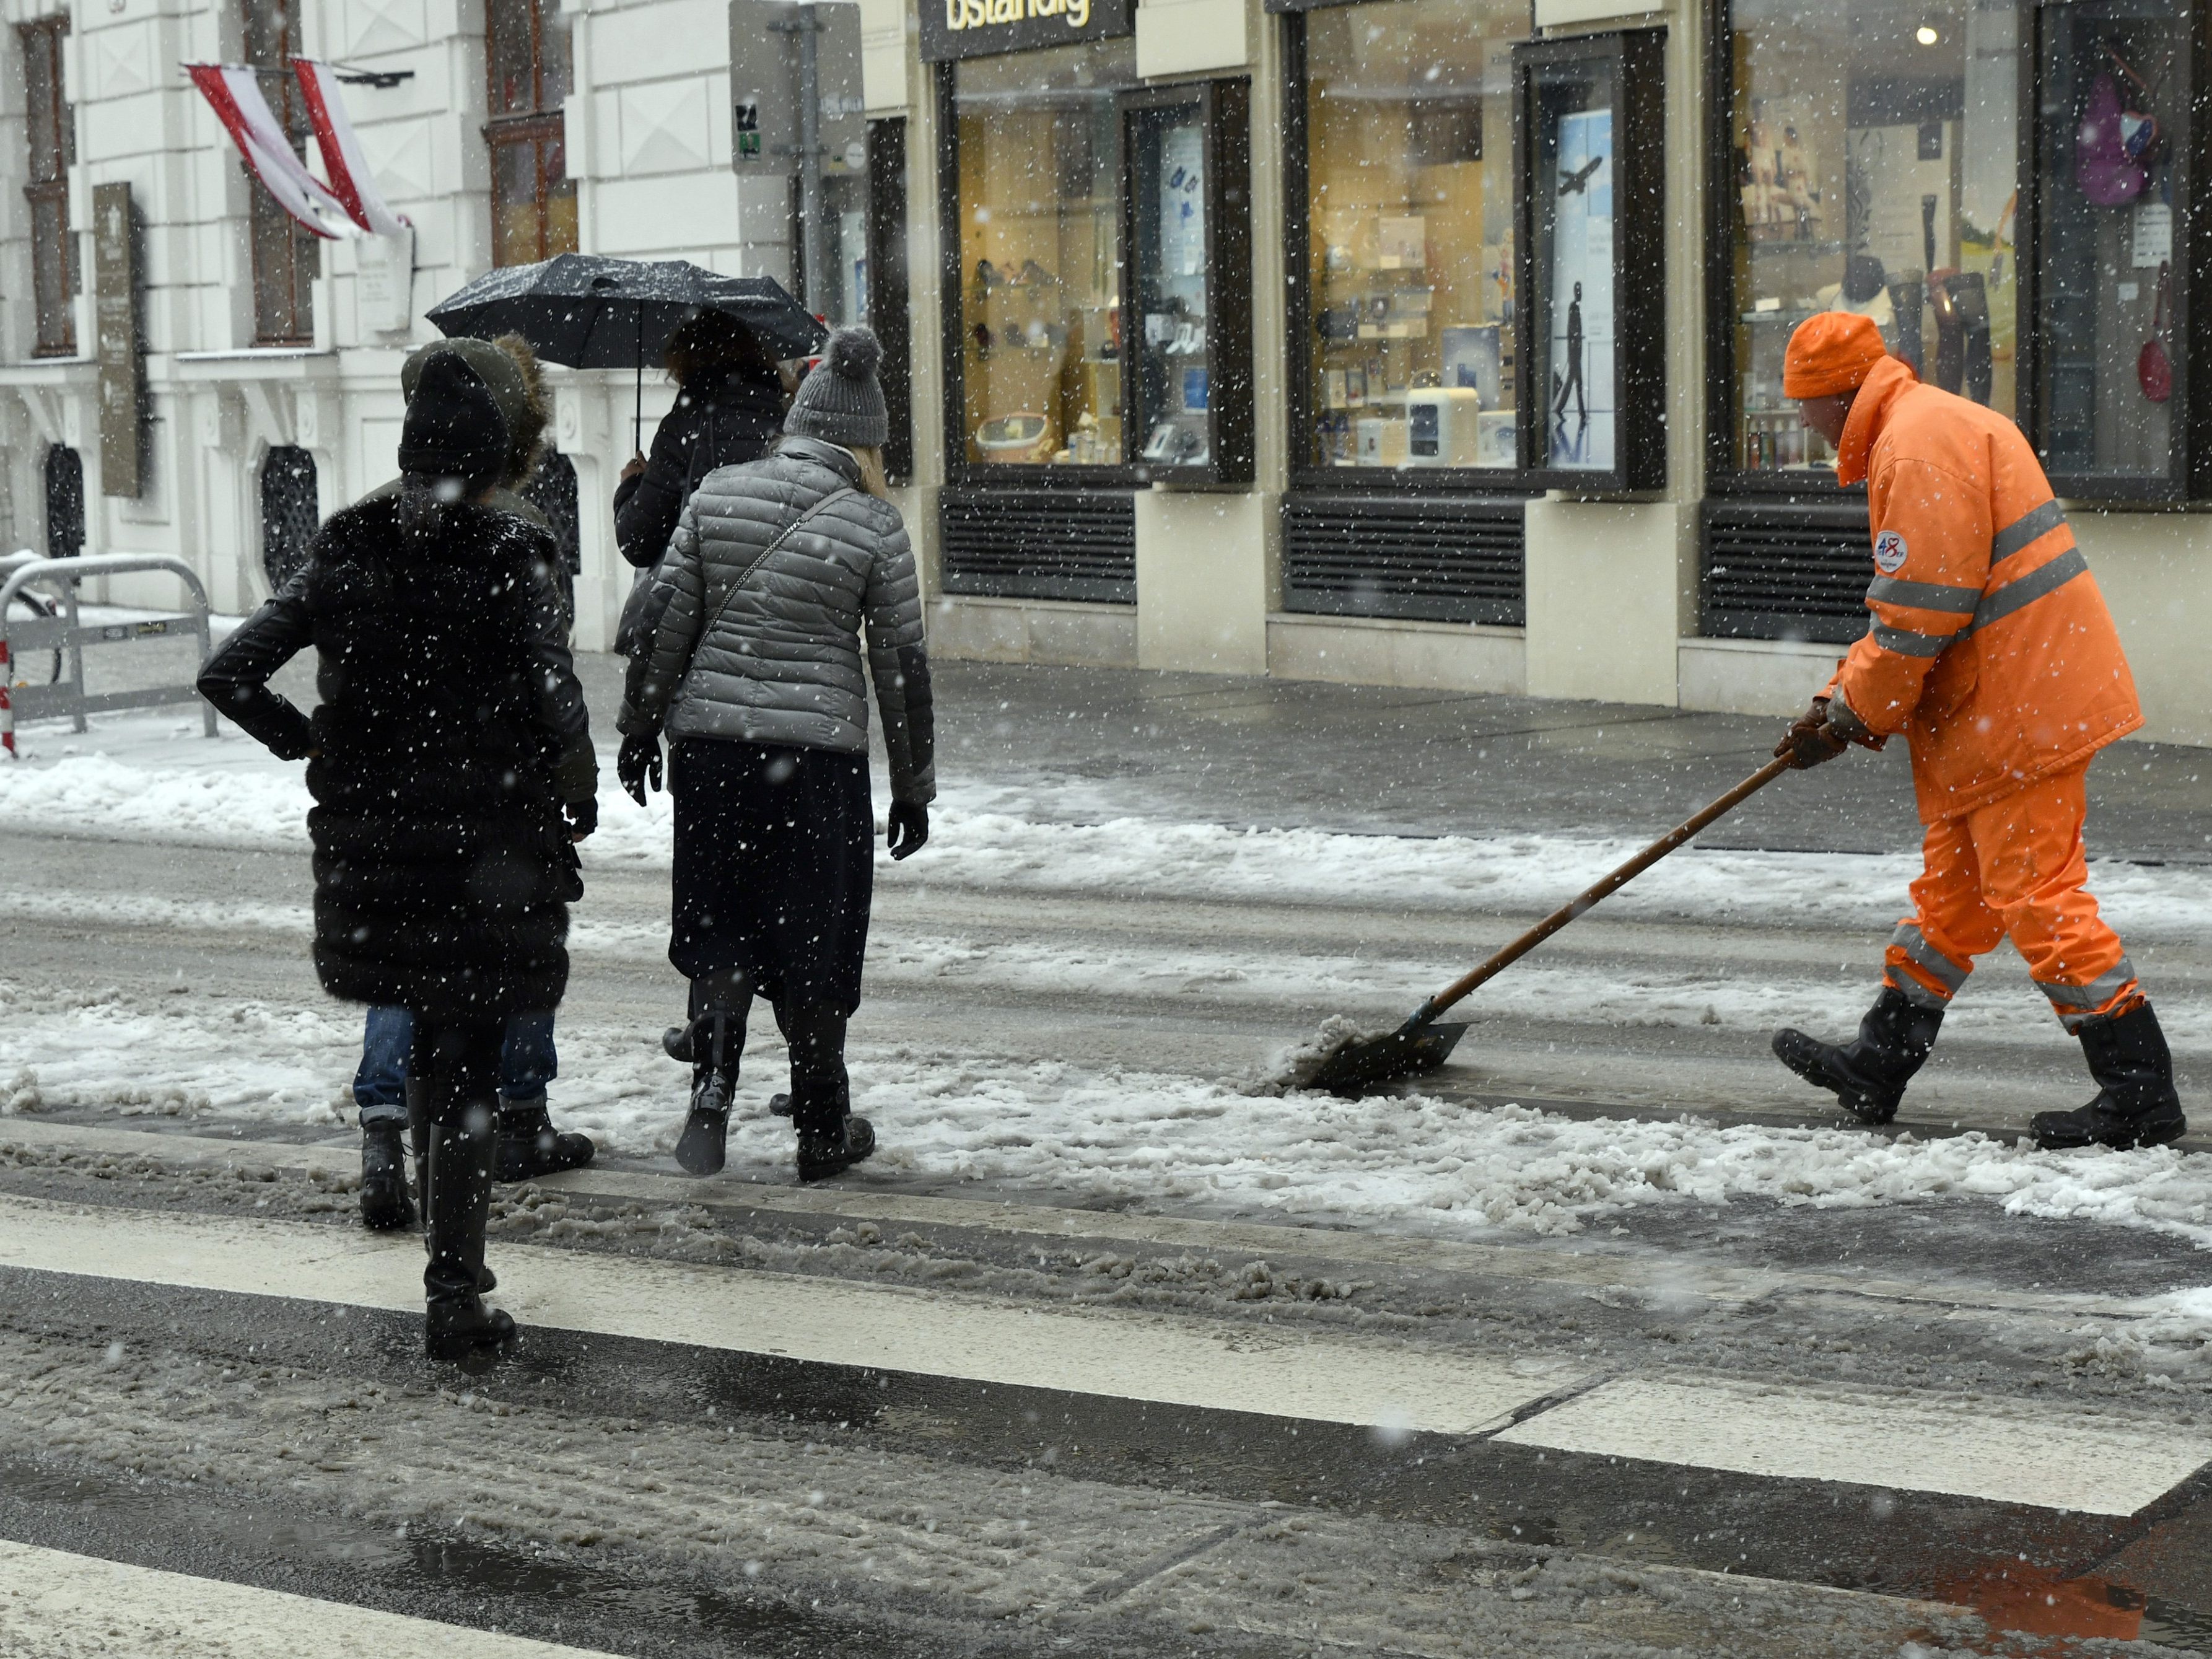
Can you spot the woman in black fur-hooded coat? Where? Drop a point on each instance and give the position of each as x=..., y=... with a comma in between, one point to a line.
x=452, y=770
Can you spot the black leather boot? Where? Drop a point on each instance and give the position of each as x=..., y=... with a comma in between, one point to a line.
x=458, y=1328
x=530, y=1146
x=1867, y=1075
x=2136, y=1104
x=830, y=1138
x=385, y=1204
x=712, y=1042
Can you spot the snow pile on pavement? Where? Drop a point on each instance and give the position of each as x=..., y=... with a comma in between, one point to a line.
x=1118, y=1136
x=219, y=795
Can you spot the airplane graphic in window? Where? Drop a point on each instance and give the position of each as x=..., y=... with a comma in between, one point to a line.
x=1573, y=183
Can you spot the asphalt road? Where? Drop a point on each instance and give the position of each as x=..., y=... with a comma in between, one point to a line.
x=1748, y=1428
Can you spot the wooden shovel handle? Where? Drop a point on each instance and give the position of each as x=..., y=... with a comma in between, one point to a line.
x=1589, y=895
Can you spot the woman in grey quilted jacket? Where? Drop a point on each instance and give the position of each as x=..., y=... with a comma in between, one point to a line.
x=754, y=674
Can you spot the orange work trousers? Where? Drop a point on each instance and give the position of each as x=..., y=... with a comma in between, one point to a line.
x=2013, y=868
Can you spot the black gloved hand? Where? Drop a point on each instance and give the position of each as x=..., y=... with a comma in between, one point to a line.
x=1810, y=739
x=907, y=830
x=582, y=816
x=638, y=766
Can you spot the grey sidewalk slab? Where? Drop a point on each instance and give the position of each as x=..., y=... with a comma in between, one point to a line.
x=1098, y=742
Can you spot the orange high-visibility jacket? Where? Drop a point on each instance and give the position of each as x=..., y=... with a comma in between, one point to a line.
x=1990, y=648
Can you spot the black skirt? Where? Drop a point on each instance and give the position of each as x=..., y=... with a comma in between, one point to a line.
x=774, y=867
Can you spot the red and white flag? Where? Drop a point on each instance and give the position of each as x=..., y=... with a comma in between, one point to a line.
x=234, y=94
x=344, y=164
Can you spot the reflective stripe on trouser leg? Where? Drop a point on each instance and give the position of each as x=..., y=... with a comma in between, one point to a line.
x=2035, y=874
x=1933, y=949
x=1916, y=968
x=2106, y=994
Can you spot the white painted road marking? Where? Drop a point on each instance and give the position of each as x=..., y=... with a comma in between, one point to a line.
x=1985, y=1448
x=58, y=1606
x=1175, y=1361
x=2055, y=1458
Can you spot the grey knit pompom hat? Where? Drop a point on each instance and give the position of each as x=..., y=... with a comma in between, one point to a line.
x=842, y=402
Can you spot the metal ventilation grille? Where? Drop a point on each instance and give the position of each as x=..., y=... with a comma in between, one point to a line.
x=1798, y=572
x=1427, y=558
x=1040, y=545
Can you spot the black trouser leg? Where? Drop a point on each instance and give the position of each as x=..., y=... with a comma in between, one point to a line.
x=821, y=1093
x=462, y=1102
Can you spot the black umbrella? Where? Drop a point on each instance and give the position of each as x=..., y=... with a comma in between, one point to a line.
x=590, y=311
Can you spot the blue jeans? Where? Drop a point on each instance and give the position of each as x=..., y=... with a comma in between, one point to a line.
x=526, y=1063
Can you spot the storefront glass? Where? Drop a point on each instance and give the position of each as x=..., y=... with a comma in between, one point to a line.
x=1876, y=162
x=1040, y=215
x=1409, y=160
x=2105, y=271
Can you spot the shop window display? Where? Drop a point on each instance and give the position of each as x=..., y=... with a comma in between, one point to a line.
x=2114, y=107
x=1876, y=150
x=1040, y=217
x=1409, y=160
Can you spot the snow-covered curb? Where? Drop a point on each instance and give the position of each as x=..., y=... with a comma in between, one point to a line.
x=981, y=838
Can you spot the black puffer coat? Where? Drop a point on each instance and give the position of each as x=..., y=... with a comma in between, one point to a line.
x=451, y=728
x=722, y=417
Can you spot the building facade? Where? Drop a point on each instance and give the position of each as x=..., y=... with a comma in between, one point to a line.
x=1429, y=342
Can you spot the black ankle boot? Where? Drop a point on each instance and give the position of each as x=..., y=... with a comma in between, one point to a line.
x=1867, y=1075
x=2136, y=1104
x=384, y=1201
x=716, y=1038
x=458, y=1328
x=530, y=1146
x=831, y=1148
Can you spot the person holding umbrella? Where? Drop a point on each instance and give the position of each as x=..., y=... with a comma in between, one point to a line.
x=754, y=671
x=452, y=770
x=729, y=409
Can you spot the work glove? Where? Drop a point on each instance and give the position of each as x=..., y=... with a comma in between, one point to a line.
x=908, y=827
x=638, y=766
x=582, y=816
x=1810, y=739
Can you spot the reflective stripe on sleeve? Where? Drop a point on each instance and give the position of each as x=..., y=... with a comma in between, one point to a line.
x=2002, y=602
x=2036, y=521
x=1924, y=596
x=1905, y=643
x=1914, y=944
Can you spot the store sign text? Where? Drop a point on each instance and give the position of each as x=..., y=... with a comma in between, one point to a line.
x=976, y=28
x=981, y=14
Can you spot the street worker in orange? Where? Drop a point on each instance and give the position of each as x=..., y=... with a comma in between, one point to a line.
x=1992, y=654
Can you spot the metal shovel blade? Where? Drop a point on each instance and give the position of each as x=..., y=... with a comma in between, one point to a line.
x=1363, y=1064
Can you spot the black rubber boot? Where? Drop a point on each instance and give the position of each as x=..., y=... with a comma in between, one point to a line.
x=830, y=1138
x=385, y=1204
x=2136, y=1104
x=530, y=1146
x=458, y=1328
x=1867, y=1075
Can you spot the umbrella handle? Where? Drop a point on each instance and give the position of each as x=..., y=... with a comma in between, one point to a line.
x=637, y=412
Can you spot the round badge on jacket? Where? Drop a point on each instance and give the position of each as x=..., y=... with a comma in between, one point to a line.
x=1889, y=552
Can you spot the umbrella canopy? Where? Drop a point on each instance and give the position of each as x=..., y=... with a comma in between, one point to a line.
x=591, y=312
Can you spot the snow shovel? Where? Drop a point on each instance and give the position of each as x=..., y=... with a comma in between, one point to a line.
x=1356, y=1064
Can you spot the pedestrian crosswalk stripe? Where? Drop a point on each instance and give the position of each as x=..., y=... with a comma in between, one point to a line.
x=60, y=1604
x=2059, y=1457
x=2068, y=1459
x=1212, y=1365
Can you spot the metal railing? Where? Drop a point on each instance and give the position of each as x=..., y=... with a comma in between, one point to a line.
x=67, y=635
